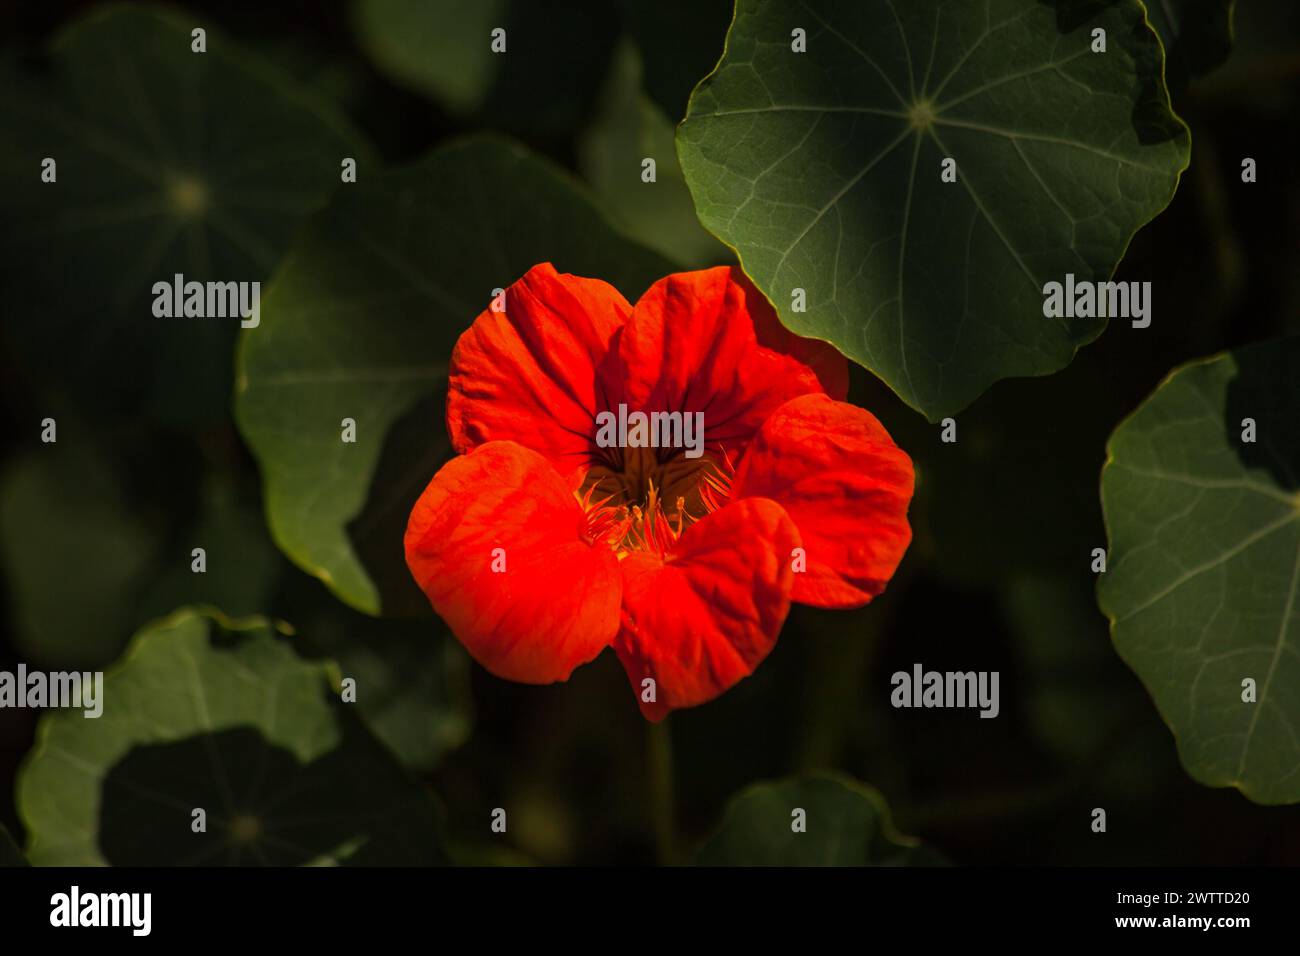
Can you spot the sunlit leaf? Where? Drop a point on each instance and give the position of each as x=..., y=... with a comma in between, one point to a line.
x=218, y=715
x=823, y=169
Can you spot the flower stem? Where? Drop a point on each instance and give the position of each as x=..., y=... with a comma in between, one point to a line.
x=659, y=745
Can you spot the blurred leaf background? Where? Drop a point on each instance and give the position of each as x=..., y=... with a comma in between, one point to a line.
x=96, y=531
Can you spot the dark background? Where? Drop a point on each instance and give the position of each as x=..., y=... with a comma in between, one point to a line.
x=1005, y=521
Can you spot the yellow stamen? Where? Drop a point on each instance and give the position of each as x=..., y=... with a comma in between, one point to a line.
x=647, y=525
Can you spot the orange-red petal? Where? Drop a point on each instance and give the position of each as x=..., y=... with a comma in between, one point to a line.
x=846, y=486
x=693, y=345
x=825, y=361
x=704, y=619
x=528, y=374
x=554, y=601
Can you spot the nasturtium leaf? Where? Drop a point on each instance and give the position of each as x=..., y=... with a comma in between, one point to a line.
x=823, y=169
x=438, y=47
x=413, y=679
x=88, y=554
x=846, y=824
x=544, y=80
x=10, y=855
x=207, y=713
x=1201, y=495
x=74, y=551
x=242, y=565
x=629, y=129
x=167, y=161
x=1196, y=35
x=359, y=324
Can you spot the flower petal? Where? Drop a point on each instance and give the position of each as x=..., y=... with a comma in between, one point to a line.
x=846, y=486
x=693, y=345
x=528, y=374
x=705, y=618
x=826, y=362
x=555, y=604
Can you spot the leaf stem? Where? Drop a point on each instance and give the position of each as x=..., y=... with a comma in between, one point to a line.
x=659, y=751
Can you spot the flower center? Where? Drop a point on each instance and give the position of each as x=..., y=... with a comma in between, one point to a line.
x=643, y=499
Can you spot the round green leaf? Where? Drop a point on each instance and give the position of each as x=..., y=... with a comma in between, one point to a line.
x=412, y=678
x=207, y=713
x=542, y=82
x=167, y=161
x=88, y=552
x=74, y=553
x=1203, y=579
x=823, y=169
x=438, y=47
x=360, y=323
x=847, y=824
x=629, y=129
x=242, y=565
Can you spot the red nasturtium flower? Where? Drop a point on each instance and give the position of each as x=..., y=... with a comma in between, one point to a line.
x=686, y=566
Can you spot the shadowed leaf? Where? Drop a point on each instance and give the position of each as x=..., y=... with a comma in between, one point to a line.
x=846, y=824
x=168, y=161
x=1203, y=579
